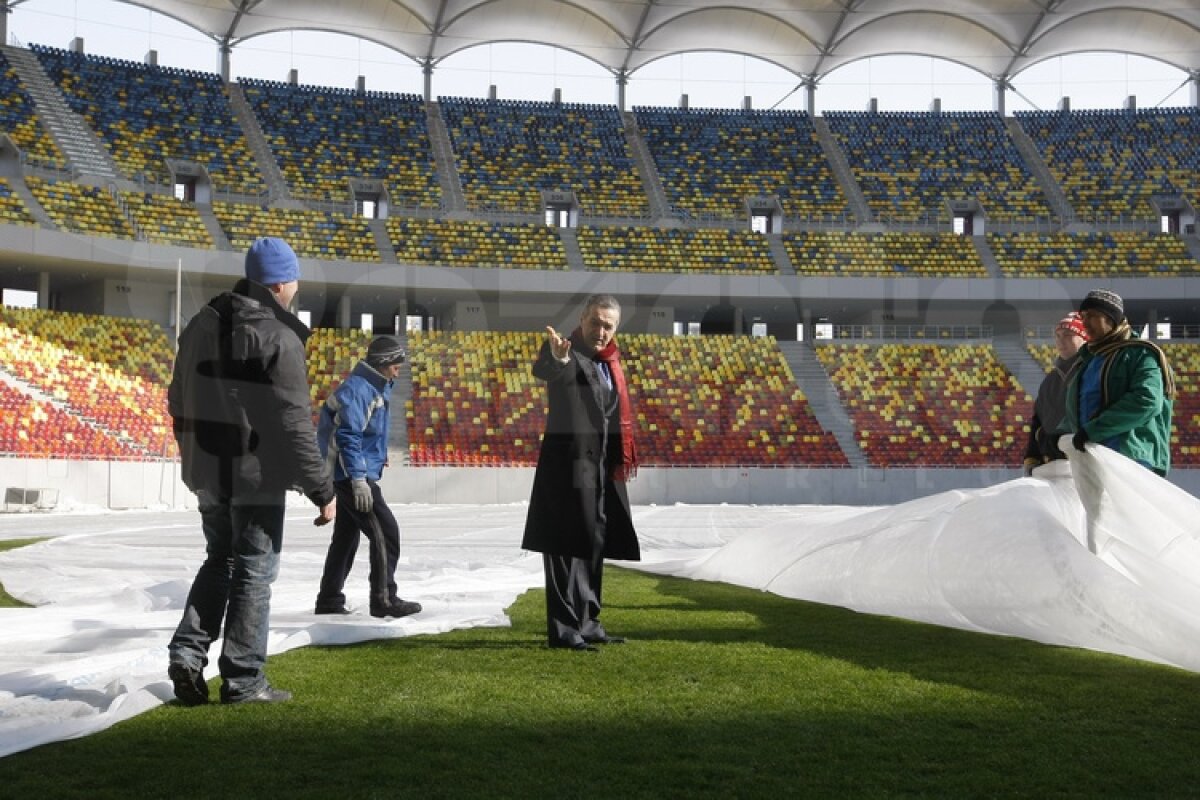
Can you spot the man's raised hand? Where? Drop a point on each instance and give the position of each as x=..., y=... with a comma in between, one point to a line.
x=560, y=346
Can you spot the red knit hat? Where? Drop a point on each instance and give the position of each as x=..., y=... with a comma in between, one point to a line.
x=1074, y=323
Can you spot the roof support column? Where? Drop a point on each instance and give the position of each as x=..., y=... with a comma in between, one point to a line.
x=1194, y=81
x=427, y=71
x=223, y=52
x=5, y=10
x=810, y=96
x=622, y=84
x=999, y=95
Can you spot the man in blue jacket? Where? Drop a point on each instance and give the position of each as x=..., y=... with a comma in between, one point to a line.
x=353, y=436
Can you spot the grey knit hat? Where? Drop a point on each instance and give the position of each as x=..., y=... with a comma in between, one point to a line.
x=1107, y=302
x=385, y=351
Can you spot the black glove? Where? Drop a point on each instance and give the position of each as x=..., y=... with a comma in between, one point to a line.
x=1079, y=438
x=363, y=500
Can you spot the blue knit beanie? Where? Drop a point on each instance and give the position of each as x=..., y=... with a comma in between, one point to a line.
x=270, y=261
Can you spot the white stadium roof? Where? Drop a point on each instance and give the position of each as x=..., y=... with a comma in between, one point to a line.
x=809, y=38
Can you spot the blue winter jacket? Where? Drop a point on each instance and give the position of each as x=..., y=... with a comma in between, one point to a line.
x=353, y=429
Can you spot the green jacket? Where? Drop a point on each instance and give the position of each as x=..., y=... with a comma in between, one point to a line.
x=1135, y=410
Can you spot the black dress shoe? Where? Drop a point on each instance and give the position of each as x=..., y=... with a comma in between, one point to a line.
x=190, y=687
x=605, y=639
x=267, y=694
x=580, y=646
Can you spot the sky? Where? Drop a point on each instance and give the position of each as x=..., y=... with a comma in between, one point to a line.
x=533, y=72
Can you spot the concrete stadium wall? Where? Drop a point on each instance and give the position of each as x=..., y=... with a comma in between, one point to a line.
x=131, y=485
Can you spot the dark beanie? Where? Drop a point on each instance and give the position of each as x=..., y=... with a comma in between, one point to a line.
x=1107, y=302
x=385, y=351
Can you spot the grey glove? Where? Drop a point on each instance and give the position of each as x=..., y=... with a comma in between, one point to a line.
x=362, y=495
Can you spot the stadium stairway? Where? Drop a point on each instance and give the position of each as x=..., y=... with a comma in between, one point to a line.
x=398, y=422
x=1041, y=173
x=841, y=172
x=79, y=143
x=570, y=240
x=779, y=254
x=383, y=242
x=219, y=237
x=823, y=398
x=657, y=197
x=1016, y=358
x=987, y=256
x=263, y=154
x=443, y=159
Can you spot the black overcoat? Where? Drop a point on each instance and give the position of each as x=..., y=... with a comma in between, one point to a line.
x=582, y=437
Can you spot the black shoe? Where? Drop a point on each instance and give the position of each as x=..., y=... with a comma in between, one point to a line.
x=331, y=610
x=267, y=694
x=396, y=608
x=189, y=684
x=605, y=639
x=580, y=646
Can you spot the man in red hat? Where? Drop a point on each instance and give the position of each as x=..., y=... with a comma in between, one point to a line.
x=1051, y=403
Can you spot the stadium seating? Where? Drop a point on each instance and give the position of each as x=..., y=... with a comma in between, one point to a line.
x=148, y=114
x=34, y=429
x=930, y=405
x=1184, y=358
x=642, y=249
x=312, y=234
x=699, y=401
x=722, y=400
x=711, y=160
x=18, y=119
x=77, y=208
x=895, y=255
x=1110, y=162
x=909, y=164
x=507, y=152
x=12, y=210
x=136, y=347
x=321, y=137
x=331, y=354
x=1092, y=255
x=467, y=243
x=162, y=219
x=124, y=406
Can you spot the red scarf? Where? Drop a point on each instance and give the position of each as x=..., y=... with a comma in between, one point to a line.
x=627, y=468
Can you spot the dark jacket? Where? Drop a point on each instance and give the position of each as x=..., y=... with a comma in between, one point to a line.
x=239, y=400
x=582, y=435
x=1048, y=411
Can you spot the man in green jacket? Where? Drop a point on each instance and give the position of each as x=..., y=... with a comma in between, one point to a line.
x=1123, y=393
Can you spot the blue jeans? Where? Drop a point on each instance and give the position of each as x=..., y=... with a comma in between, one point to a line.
x=234, y=585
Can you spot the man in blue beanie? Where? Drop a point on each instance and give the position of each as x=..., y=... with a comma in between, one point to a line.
x=239, y=400
x=353, y=435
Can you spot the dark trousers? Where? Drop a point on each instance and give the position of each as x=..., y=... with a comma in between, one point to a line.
x=573, y=590
x=383, y=539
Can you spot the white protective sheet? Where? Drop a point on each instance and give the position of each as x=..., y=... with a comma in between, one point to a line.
x=1011, y=559
x=1100, y=553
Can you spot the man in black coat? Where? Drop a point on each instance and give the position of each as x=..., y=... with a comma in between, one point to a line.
x=242, y=416
x=579, y=509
